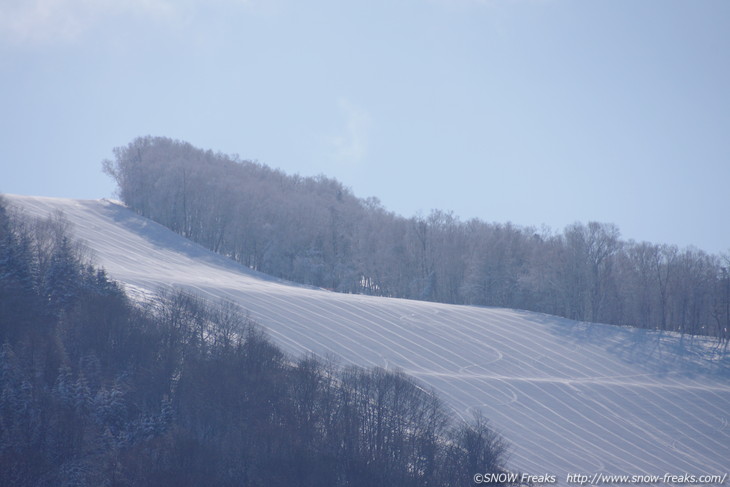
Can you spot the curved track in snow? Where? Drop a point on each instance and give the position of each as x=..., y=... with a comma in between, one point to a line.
x=570, y=397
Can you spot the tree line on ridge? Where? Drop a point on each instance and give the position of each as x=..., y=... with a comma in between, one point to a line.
x=313, y=230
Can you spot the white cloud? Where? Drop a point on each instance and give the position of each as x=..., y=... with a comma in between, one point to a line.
x=49, y=21
x=52, y=21
x=350, y=146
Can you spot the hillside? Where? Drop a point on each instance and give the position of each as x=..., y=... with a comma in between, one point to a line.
x=571, y=397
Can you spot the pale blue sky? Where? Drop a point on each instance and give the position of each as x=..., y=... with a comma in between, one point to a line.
x=530, y=111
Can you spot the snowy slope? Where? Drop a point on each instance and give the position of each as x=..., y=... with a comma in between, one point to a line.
x=570, y=397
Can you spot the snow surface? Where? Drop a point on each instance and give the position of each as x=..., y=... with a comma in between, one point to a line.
x=570, y=397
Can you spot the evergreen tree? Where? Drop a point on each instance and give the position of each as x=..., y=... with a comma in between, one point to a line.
x=62, y=280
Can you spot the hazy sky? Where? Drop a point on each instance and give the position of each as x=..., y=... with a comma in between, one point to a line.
x=530, y=111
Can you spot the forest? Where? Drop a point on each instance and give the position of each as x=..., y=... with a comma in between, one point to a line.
x=96, y=390
x=314, y=230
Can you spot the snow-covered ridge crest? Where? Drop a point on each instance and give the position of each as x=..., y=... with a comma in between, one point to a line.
x=570, y=397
